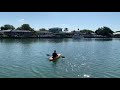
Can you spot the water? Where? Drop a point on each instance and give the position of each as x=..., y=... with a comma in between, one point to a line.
x=84, y=58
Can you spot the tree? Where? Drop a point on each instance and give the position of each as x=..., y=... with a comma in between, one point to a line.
x=7, y=27
x=2, y=28
x=18, y=28
x=32, y=29
x=42, y=29
x=105, y=31
x=25, y=27
x=98, y=31
x=87, y=31
x=66, y=29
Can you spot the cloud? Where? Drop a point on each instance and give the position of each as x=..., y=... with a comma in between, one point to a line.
x=21, y=20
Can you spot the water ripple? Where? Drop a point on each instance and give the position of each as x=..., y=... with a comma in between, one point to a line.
x=84, y=59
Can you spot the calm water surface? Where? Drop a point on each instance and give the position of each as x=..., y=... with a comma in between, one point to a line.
x=84, y=58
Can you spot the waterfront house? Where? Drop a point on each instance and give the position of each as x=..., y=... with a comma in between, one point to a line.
x=68, y=34
x=55, y=30
x=77, y=34
x=44, y=34
x=5, y=33
x=116, y=34
x=21, y=33
x=16, y=33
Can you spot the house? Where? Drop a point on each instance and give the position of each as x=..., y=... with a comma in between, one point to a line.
x=16, y=33
x=44, y=34
x=21, y=33
x=55, y=30
x=5, y=33
x=77, y=34
x=116, y=34
x=67, y=34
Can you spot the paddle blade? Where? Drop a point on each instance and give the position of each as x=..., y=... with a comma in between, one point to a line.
x=63, y=56
x=47, y=54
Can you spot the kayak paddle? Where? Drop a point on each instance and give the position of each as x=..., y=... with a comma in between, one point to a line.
x=48, y=54
x=51, y=55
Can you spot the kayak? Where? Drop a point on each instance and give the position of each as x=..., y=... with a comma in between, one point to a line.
x=54, y=59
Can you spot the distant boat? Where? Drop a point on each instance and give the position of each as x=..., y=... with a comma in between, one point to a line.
x=77, y=36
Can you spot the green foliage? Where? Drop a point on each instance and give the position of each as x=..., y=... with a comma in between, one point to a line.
x=86, y=31
x=105, y=31
x=66, y=29
x=25, y=27
x=2, y=28
x=18, y=28
x=7, y=27
x=42, y=29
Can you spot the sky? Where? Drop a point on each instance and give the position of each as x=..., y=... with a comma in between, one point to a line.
x=70, y=20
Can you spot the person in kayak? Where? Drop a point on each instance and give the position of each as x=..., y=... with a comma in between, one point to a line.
x=54, y=54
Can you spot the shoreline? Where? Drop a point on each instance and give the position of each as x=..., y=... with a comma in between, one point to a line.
x=53, y=37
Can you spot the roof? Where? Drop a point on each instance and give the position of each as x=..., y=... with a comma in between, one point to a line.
x=2, y=31
x=55, y=28
x=43, y=32
x=116, y=33
x=20, y=31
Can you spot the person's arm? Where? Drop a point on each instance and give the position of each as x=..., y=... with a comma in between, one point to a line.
x=56, y=54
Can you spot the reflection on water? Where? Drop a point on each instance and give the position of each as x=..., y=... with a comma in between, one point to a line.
x=57, y=40
x=24, y=41
x=33, y=40
x=51, y=40
x=103, y=39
